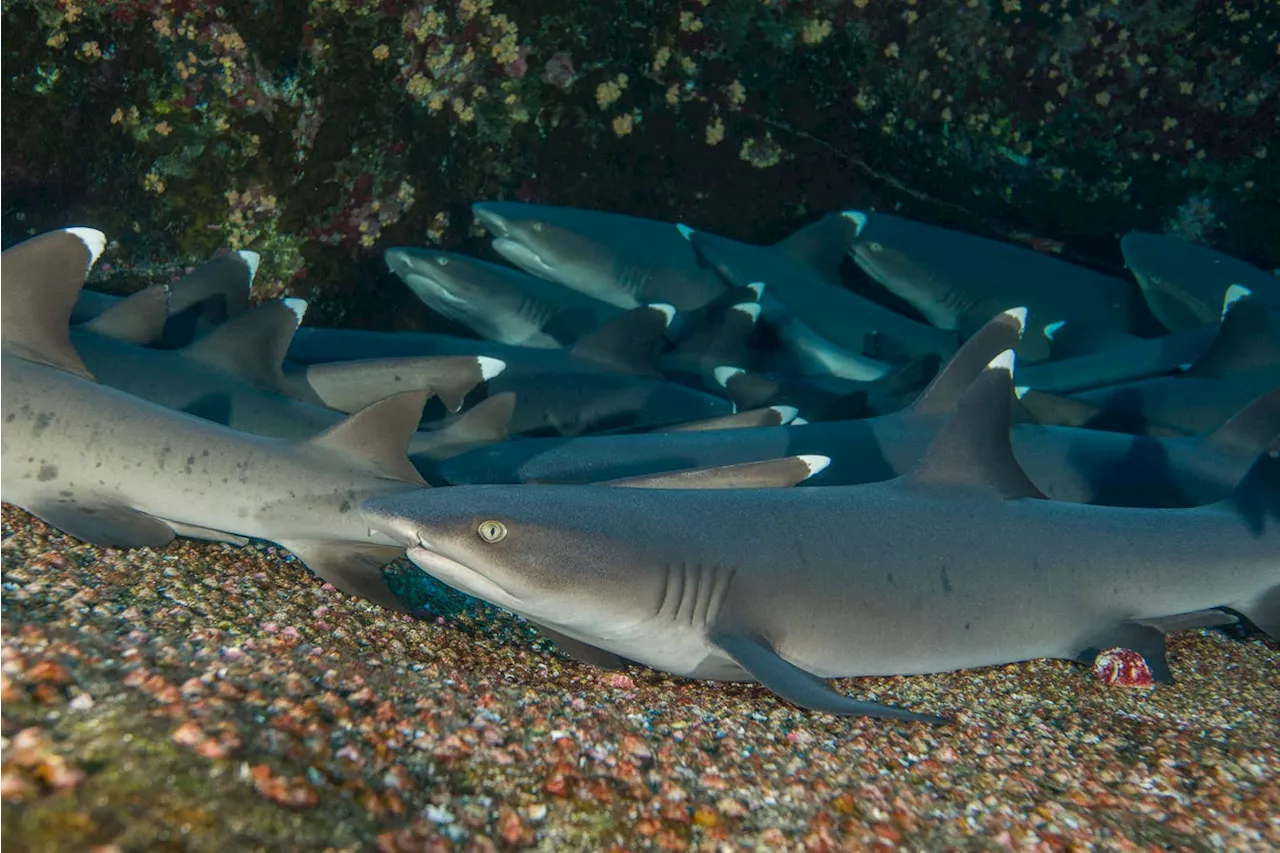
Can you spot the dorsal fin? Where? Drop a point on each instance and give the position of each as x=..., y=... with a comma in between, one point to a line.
x=1254, y=428
x=1246, y=341
x=767, y=416
x=378, y=436
x=138, y=319
x=973, y=448
x=1000, y=333
x=628, y=342
x=220, y=286
x=41, y=279
x=822, y=245
x=252, y=345
x=487, y=422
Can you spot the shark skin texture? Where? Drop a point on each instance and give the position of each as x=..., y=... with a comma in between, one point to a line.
x=116, y=470
x=960, y=563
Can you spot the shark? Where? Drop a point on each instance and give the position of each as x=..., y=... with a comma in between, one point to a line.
x=1184, y=283
x=499, y=303
x=960, y=563
x=959, y=281
x=116, y=470
x=1242, y=362
x=607, y=380
x=1067, y=464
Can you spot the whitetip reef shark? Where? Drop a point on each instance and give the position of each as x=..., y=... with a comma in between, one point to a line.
x=960, y=563
x=1184, y=283
x=116, y=470
x=499, y=303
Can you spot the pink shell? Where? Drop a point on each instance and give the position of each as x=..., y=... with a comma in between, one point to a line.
x=1122, y=667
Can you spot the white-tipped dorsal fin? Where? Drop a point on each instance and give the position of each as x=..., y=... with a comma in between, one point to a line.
x=758, y=288
x=799, y=422
x=137, y=319
x=490, y=367
x=685, y=231
x=724, y=373
x=1234, y=294
x=1052, y=329
x=298, y=306
x=628, y=342
x=858, y=218
x=1247, y=341
x=786, y=414
x=39, y=283
x=252, y=346
x=251, y=260
x=972, y=449
x=751, y=309
x=377, y=436
x=1001, y=332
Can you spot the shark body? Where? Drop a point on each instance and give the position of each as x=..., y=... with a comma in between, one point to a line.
x=959, y=564
x=116, y=470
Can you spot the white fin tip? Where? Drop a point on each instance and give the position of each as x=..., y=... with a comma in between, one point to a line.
x=815, y=464
x=685, y=231
x=1019, y=314
x=251, y=260
x=786, y=413
x=1234, y=294
x=1021, y=391
x=756, y=287
x=798, y=422
x=858, y=218
x=1051, y=329
x=489, y=366
x=297, y=306
x=94, y=240
x=724, y=374
x=668, y=310
x=751, y=309
x=1004, y=361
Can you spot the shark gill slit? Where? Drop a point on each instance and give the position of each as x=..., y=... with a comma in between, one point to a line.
x=534, y=310
x=693, y=593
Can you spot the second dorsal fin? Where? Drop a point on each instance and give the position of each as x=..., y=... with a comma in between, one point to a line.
x=379, y=435
x=40, y=281
x=973, y=448
x=252, y=345
x=628, y=342
x=1001, y=332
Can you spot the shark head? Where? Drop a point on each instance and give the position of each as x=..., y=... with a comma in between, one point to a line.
x=545, y=552
x=548, y=242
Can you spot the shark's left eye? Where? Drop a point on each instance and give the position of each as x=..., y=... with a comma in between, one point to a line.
x=875, y=247
x=442, y=261
x=539, y=226
x=492, y=531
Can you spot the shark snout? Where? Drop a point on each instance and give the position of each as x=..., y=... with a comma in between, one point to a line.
x=493, y=223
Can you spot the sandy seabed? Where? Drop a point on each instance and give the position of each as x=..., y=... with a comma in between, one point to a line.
x=206, y=697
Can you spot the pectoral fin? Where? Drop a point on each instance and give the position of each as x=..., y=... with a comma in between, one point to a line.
x=802, y=688
x=582, y=652
x=106, y=525
x=353, y=567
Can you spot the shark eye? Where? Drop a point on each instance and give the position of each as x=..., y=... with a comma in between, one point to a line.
x=442, y=261
x=539, y=226
x=875, y=247
x=492, y=531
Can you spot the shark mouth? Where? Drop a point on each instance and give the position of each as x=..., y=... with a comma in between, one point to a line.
x=522, y=256
x=460, y=576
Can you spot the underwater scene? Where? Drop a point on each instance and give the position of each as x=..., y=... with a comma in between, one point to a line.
x=763, y=425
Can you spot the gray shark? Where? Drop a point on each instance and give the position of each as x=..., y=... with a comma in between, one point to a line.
x=1076, y=465
x=1184, y=283
x=1241, y=363
x=607, y=380
x=959, y=281
x=958, y=564
x=499, y=303
x=622, y=260
x=116, y=470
